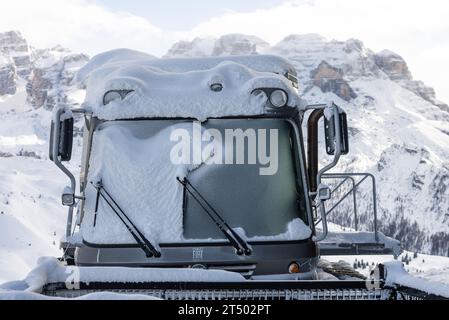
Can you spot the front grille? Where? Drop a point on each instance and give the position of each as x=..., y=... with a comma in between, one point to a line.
x=247, y=290
x=253, y=295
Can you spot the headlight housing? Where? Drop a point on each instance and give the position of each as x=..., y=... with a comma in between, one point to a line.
x=279, y=98
x=114, y=95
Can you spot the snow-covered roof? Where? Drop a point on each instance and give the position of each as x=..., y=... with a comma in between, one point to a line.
x=260, y=63
x=182, y=87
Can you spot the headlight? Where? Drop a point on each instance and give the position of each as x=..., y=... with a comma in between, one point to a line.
x=279, y=98
x=216, y=87
x=114, y=95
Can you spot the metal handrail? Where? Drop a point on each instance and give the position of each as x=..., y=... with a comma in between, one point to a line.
x=350, y=176
x=354, y=195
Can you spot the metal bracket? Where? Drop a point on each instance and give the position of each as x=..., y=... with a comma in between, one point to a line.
x=320, y=203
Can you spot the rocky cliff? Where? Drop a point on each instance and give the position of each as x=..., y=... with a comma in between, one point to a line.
x=51, y=77
x=395, y=67
x=8, y=76
x=14, y=45
x=47, y=73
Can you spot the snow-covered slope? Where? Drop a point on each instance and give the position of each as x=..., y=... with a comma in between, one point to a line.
x=31, y=218
x=399, y=132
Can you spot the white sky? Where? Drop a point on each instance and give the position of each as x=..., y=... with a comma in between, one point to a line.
x=416, y=29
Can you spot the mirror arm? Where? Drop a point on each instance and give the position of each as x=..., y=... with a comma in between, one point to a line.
x=334, y=108
x=312, y=147
x=57, y=161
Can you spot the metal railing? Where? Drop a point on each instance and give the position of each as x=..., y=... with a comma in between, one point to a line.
x=344, y=177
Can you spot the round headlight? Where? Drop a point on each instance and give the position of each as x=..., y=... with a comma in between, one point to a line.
x=279, y=98
x=216, y=87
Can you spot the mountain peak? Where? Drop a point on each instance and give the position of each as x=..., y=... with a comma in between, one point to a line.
x=198, y=47
x=393, y=65
x=239, y=44
x=304, y=38
x=231, y=44
x=13, y=41
x=11, y=36
x=14, y=46
x=388, y=53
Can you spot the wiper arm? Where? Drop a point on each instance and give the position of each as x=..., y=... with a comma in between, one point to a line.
x=140, y=238
x=241, y=246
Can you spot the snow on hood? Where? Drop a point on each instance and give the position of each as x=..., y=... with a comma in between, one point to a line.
x=50, y=270
x=181, y=87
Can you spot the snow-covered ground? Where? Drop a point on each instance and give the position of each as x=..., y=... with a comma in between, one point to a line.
x=434, y=268
x=50, y=270
x=428, y=267
x=31, y=217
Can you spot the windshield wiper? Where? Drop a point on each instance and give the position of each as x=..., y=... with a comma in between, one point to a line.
x=241, y=246
x=140, y=238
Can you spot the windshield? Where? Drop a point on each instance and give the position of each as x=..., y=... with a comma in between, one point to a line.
x=248, y=170
x=263, y=205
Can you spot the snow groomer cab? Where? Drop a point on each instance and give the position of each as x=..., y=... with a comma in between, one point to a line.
x=196, y=163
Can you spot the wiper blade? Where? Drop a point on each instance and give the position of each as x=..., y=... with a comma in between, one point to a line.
x=241, y=246
x=140, y=238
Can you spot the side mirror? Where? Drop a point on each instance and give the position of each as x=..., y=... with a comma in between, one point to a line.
x=62, y=135
x=331, y=134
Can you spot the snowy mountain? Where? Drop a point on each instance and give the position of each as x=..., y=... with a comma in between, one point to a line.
x=232, y=44
x=399, y=132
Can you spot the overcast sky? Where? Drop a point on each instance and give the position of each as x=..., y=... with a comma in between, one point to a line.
x=416, y=29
